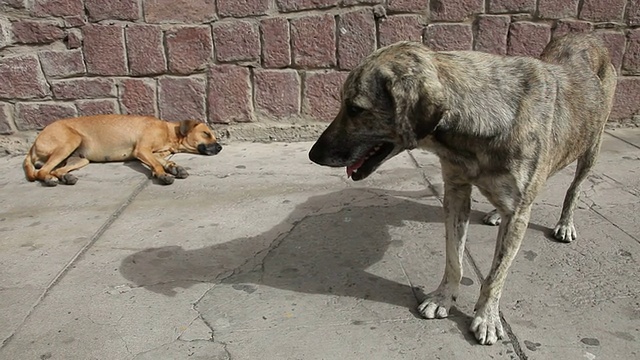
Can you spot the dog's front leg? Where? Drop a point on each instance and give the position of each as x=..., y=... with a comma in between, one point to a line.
x=457, y=206
x=176, y=170
x=487, y=325
x=170, y=166
x=157, y=168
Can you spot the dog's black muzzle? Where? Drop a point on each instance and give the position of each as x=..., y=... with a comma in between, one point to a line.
x=328, y=154
x=317, y=154
x=209, y=149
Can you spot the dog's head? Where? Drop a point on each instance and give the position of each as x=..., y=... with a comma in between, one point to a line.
x=389, y=102
x=198, y=138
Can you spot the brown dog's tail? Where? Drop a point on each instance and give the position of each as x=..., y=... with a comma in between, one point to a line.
x=28, y=166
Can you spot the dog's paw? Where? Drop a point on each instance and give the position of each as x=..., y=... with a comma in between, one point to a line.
x=487, y=326
x=68, y=179
x=492, y=218
x=437, y=304
x=166, y=179
x=171, y=168
x=51, y=181
x=177, y=171
x=565, y=232
x=181, y=173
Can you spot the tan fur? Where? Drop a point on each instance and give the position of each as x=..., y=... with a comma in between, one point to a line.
x=502, y=124
x=70, y=144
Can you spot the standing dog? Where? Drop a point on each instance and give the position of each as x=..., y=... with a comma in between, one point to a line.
x=503, y=124
x=70, y=144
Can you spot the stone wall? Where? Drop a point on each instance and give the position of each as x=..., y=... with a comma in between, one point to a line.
x=261, y=61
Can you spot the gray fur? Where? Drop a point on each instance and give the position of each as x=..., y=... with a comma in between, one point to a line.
x=502, y=124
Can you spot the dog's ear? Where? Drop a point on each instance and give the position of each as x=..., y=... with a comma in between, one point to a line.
x=186, y=126
x=419, y=105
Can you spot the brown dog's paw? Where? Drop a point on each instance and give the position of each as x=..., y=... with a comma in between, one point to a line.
x=51, y=181
x=166, y=179
x=69, y=179
x=171, y=169
x=181, y=173
x=177, y=171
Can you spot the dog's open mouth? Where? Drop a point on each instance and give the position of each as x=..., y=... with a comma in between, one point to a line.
x=370, y=161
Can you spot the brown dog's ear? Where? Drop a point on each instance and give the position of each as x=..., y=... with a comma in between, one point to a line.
x=419, y=106
x=186, y=126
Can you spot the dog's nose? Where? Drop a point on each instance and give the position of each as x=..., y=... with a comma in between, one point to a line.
x=218, y=147
x=316, y=154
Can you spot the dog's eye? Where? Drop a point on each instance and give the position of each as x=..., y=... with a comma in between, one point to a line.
x=354, y=110
x=206, y=134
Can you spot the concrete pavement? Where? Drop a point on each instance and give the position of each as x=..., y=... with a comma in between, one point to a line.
x=260, y=254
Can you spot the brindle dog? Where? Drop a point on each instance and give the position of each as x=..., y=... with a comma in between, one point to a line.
x=503, y=124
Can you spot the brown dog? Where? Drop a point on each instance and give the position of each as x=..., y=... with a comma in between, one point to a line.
x=502, y=124
x=70, y=144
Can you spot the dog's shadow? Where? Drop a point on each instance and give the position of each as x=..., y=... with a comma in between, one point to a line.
x=325, y=246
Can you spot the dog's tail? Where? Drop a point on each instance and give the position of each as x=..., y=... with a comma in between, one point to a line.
x=586, y=50
x=29, y=166
x=575, y=48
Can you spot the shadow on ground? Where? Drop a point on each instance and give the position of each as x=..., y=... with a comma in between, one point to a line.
x=325, y=246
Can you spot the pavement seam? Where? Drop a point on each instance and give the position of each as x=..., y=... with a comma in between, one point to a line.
x=430, y=186
x=623, y=140
x=62, y=273
x=414, y=290
x=592, y=208
x=512, y=336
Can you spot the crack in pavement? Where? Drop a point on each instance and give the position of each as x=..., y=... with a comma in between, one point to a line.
x=115, y=328
x=204, y=321
x=257, y=261
x=69, y=265
x=226, y=349
x=152, y=349
x=279, y=238
x=259, y=258
x=199, y=316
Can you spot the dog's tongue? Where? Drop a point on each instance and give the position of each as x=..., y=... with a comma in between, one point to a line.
x=354, y=167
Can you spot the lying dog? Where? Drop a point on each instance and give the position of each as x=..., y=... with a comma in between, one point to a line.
x=503, y=124
x=70, y=144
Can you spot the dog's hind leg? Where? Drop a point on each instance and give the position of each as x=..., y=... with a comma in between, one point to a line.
x=565, y=231
x=457, y=206
x=73, y=163
x=492, y=218
x=486, y=324
x=59, y=155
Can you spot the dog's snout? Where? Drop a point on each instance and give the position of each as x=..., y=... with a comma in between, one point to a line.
x=209, y=149
x=317, y=153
